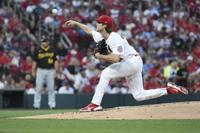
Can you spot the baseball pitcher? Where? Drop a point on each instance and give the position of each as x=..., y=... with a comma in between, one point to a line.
x=126, y=62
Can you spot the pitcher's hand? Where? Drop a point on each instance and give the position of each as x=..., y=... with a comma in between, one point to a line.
x=70, y=23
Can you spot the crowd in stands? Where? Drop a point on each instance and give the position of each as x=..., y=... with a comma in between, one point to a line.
x=166, y=33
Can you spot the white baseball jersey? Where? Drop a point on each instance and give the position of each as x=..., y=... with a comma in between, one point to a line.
x=116, y=43
x=130, y=68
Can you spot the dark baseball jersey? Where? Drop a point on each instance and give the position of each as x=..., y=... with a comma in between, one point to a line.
x=45, y=58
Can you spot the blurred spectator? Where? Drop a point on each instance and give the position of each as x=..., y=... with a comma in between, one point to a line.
x=9, y=82
x=66, y=89
x=125, y=33
x=117, y=87
x=159, y=30
x=194, y=80
x=26, y=66
x=31, y=91
x=170, y=71
x=26, y=82
x=61, y=51
x=1, y=83
x=182, y=75
x=73, y=58
x=151, y=83
x=81, y=83
x=178, y=12
x=14, y=63
x=90, y=62
x=177, y=44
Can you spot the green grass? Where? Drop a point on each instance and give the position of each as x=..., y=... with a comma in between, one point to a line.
x=17, y=113
x=8, y=125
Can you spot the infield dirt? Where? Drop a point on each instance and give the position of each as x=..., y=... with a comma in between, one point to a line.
x=179, y=110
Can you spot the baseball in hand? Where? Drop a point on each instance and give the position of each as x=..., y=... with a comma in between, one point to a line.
x=54, y=11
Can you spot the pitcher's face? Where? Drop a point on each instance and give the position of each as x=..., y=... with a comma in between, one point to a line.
x=100, y=27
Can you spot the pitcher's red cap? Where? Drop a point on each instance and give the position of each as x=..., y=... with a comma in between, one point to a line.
x=105, y=20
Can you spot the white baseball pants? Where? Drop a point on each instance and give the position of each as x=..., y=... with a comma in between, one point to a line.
x=131, y=68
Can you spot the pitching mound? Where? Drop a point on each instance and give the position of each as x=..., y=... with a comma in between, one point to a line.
x=180, y=110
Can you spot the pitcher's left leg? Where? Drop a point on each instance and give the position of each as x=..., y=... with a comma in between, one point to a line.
x=135, y=83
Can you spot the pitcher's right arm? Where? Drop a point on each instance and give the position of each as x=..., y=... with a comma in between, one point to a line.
x=78, y=24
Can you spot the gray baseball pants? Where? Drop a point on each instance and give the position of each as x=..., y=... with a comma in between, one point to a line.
x=45, y=76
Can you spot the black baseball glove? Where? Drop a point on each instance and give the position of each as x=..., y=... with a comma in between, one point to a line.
x=101, y=47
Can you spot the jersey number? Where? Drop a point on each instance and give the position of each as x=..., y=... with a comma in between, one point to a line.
x=50, y=61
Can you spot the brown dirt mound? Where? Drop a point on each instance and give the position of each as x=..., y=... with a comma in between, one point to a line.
x=180, y=110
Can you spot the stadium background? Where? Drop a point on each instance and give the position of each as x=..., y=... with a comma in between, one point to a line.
x=22, y=25
x=166, y=33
